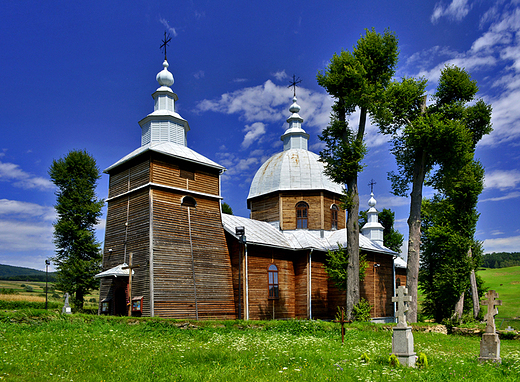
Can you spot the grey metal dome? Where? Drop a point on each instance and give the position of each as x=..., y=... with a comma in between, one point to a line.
x=294, y=169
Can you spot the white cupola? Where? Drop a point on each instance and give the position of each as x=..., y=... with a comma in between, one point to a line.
x=373, y=230
x=164, y=124
x=295, y=137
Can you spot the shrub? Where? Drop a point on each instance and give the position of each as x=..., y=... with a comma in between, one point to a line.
x=422, y=361
x=361, y=310
x=8, y=291
x=29, y=288
x=393, y=360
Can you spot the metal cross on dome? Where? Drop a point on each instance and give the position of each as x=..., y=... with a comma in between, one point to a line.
x=294, y=83
x=167, y=38
x=372, y=184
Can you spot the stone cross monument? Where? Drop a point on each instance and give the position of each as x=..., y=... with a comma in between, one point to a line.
x=402, y=338
x=490, y=343
x=66, y=307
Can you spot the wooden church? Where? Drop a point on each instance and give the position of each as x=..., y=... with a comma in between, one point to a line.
x=170, y=252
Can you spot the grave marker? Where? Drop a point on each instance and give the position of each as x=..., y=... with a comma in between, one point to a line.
x=490, y=342
x=402, y=337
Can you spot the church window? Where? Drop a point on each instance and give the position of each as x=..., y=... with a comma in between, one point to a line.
x=334, y=216
x=188, y=201
x=187, y=174
x=272, y=273
x=302, y=209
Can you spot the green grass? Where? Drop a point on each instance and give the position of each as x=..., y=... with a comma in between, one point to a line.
x=39, y=346
x=506, y=281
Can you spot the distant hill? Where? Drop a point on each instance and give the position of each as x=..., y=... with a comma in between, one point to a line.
x=9, y=272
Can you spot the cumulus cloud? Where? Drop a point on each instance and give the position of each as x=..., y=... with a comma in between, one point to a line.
x=511, y=195
x=280, y=75
x=505, y=244
x=502, y=179
x=456, y=10
x=10, y=172
x=253, y=133
x=25, y=209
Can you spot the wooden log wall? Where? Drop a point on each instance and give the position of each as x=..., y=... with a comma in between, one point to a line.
x=181, y=174
x=268, y=207
x=265, y=208
x=127, y=230
x=378, y=285
x=177, y=294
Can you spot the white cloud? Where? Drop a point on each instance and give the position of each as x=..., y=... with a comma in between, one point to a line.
x=511, y=195
x=198, y=75
x=254, y=132
x=502, y=179
x=168, y=27
x=505, y=244
x=457, y=10
x=25, y=209
x=11, y=172
x=18, y=236
x=280, y=75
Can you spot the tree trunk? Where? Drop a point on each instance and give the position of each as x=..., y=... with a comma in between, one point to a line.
x=474, y=289
x=352, y=249
x=414, y=235
x=459, y=307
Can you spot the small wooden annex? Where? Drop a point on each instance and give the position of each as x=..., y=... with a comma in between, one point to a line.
x=170, y=252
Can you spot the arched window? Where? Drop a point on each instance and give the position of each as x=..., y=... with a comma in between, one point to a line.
x=272, y=273
x=302, y=209
x=188, y=201
x=334, y=216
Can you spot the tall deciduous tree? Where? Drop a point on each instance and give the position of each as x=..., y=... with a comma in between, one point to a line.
x=430, y=144
x=78, y=254
x=356, y=80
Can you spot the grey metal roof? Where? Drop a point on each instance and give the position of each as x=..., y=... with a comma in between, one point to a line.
x=171, y=149
x=117, y=271
x=262, y=233
x=295, y=169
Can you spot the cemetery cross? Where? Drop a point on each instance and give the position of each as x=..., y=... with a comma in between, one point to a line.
x=402, y=307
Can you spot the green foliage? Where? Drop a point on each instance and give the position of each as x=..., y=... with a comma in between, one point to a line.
x=336, y=266
x=9, y=272
x=361, y=310
x=422, y=361
x=365, y=358
x=78, y=254
x=226, y=209
x=500, y=259
x=29, y=288
x=8, y=291
x=15, y=305
x=393, y=361
x=363, y=266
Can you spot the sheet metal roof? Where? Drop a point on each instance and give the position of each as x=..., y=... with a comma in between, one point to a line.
x=117, y=271
x=263, y=233
x=171, y=149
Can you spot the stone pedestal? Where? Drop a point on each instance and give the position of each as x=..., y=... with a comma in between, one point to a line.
x=402, y=345
x=490, y=348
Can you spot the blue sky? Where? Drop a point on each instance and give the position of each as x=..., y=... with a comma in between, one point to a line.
x=78, y=75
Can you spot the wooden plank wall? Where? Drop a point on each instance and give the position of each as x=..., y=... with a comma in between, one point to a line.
x=377, y=287
x=265, y=208
x=128, y=219
x=173, y=271
x=167, y=171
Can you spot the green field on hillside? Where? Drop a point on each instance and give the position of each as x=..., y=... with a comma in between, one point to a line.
x=506, y=282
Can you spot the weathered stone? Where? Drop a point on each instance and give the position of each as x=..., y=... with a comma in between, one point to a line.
x=490, y=348
x=402, y=345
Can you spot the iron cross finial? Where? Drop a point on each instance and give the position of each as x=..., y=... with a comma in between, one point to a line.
x=167, y=38
x=371, y=184
x=295, y=81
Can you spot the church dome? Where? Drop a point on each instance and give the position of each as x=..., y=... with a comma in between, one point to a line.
x=293, y=169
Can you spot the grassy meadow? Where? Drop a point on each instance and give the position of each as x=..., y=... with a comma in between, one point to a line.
x=39, y=345
x=506, y=281
x=44, y=346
